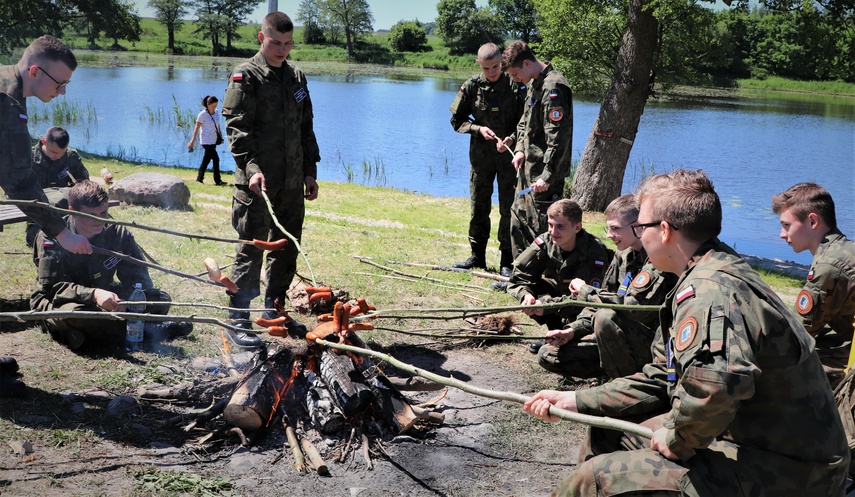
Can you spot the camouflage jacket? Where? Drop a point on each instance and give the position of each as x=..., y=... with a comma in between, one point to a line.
x=498, y=106
x=55, y=173
x=827, y=300
x=64, y=277
x=745, y=371
x=545, y=132
x=269, y=122
x=630, y=279
x=16, y=155
x=545, y=271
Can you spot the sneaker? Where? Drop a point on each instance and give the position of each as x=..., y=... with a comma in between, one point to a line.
x=243, y=339
x=8, y=366
x=11, y=387
x=473, y=261
x=500, y=286
x=534, y=347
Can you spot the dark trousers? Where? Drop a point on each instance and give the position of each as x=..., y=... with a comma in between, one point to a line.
x=210, y=155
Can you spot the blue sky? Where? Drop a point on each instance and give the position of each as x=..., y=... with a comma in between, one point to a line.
x=386, y=12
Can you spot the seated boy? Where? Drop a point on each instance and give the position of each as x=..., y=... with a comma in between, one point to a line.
x=826, y=304
x=86, y=282
x=57, y=168
x=621, y=339
x=542, y=273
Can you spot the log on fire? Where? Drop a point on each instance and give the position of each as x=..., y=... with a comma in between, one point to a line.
x=345, y=383
x=253, y=402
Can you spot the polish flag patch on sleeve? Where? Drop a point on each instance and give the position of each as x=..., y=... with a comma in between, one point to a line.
x=238, y=76
x=23, y=118
x=47, y=243
x=538, y=241
x=684, y=294
x=599, y=264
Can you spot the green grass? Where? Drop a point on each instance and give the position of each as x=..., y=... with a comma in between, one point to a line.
x=783, y=84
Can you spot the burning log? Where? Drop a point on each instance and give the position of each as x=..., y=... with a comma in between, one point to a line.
x=345, y=383
x=322, y=408
x=254, y=401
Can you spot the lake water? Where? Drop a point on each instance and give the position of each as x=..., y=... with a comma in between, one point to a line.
x=380, y=131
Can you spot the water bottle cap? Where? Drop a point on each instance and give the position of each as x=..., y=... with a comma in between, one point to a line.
x=138, y=286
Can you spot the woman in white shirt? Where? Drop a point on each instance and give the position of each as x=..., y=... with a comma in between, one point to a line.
x=208, y=121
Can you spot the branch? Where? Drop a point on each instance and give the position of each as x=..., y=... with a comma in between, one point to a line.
x=116, y=316
x=414, y=276
x=289, y=235
x=139, y=262
x=452, y=285
x=597, y=421
x=480, y=274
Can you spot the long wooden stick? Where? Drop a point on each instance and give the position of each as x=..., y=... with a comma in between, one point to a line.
x=598, y=421
x=117, y=316
x=414, y=276
x=468, y=337
x=450, y=284
x=480, y=274
x=289, y=235
x=299, y=460
x=133, y=224
x=140, y=262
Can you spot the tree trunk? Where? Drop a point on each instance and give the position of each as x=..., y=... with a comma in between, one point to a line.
x=349, y=42
x=170, y=30
x=599, y=176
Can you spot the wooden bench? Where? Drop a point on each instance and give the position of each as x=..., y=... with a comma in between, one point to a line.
x=11, y=214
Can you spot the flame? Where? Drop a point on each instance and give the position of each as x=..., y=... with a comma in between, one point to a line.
x=281, y=387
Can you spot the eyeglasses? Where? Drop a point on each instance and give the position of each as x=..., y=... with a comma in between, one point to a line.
x=59, y=84
x=638, y=228
x=608, y=230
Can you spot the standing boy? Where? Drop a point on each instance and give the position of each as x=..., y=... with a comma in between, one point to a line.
x=606, y=341
x=735, y=396
x=488, y=107
x=268, y=113
x=826, y=304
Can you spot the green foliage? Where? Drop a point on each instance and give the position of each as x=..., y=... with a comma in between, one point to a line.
x=408, y=36
x=156, y=482
x=22, y=21
x=519, y=18
x=464, y=27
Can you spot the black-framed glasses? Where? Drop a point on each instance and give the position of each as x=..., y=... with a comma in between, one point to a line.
x=637, y=232
x=59, y=84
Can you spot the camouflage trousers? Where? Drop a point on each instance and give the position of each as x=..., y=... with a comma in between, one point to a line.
x=528, y=217
x=251, y=220
x=833, y=351
x=614, y=463
x=57, y=197
x=484, y=172
x=75, y=332
x=619, y=347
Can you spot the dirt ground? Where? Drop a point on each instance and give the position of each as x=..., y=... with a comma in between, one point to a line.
x=79, y=450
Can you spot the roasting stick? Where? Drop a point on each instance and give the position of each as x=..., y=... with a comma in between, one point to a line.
x=259, y=244
x=289, y=235
x=597, y=421
x=299, y=460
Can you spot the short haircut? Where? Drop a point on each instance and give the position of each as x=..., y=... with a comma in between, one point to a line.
x=58, y=136
x=625, y=207
x=516, y=53
x=567, y=208
x=87, y=194
x=48, y=49
x=489, y=51
x=804, y=198
x=686, y=200
x=278, y=22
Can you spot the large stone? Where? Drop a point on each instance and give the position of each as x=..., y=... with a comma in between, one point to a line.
x=162, y=190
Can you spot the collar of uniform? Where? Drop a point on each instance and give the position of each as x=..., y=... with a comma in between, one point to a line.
x=287, y=72
x=833, y=236
x=538, y=81
x=12, y=84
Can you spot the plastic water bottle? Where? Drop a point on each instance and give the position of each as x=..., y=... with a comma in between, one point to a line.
x=134, y=335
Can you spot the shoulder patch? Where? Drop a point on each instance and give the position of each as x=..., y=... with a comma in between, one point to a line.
x=804, y=302
x=238, y=76
x=686, y=333
x=47, y=243
x=556, y=114
x=538, y=241
x=641, y=280
x=596, y=283
x=810, y=275
x=684, y=294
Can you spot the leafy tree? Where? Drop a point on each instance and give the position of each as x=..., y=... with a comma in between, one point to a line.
x=114, y=18
x=309, y=13
x=354, y=17
x=408, y=36
x=518, y=17
x=464, y=27
x=169, y=13
x=22, y=21
x=218, y=19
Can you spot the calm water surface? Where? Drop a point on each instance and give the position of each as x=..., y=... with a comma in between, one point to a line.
x=396, y=133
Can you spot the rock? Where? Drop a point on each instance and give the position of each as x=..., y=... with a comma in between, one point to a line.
x=122, y=405
x=202, y=363
x=161, y=190
x=21, y=447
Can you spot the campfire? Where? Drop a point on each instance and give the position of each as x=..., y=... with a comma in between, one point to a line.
x=316, y=394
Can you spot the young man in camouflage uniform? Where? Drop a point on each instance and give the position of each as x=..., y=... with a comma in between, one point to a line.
x=88, y=282
x=543, y=272
x=488, y=107
x=736, y=395
x=607, y=341
x=268, y=114
x=544, y=142
x=57, y=168
x=43, y=72
x=826, y=304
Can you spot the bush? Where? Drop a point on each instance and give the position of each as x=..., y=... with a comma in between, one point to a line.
x=408, y=36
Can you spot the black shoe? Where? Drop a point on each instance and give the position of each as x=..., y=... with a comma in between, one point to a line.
x=500, y=286
x=474, y=261
x=534, y=347
x=506, y=271
x=8, y=366
x=221, y=183
x=295, y=329
x=244, y=339
x=199, y=180
x=11, y=387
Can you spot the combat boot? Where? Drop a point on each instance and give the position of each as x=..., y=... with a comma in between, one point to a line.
x=8, y=366
x=294, y=328
x=476, y=260
x=240, y=319
x=11, y=387
x=506, y=264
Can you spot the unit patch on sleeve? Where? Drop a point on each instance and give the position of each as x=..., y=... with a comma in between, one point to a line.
x=686, y=333
x=804, y=302
x=556, y=114
x=641, y=280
